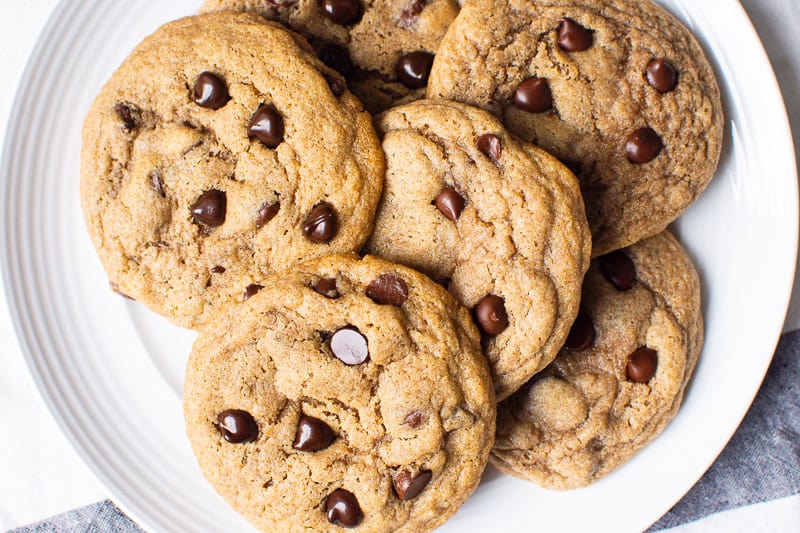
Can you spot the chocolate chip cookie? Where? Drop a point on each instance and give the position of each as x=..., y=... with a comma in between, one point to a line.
x=221, y=151
x=347, y=392
x=500, y=222
x=619, y=90
x=384, y=47
x=620, y=376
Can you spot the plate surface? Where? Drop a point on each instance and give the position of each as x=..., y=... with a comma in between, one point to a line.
x=111, y=372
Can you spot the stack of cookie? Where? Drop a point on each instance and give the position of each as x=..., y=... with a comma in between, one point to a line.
x=370, y=272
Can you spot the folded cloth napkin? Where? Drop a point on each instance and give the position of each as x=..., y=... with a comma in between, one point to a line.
x=761, y=463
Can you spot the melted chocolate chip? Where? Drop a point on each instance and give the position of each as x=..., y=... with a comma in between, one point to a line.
x=342, y=509
x=237, y=426
x=490, y=313
x=130, y=115
x=251, y=291
x=533, y=95
x=573, y=37
x=218, y=270
x=619, y=270
x=450, y=203
x=388, y=289
x=582, y=334
x=337, y=58
x=642, y=365
x=413, y=419
x=342, y=12
x=312, y=435
x=320, y=225
x=350, y=346
x=157, y=183
x=643, y=146
x=210, y=91
x=661, y=75
x=327, y=288
x=209, y=209
x=409, y=15
x=490, y=145
x=266, y=213
x=408, y=486
x=336, y=85
x=266, y=126
x=414, y=68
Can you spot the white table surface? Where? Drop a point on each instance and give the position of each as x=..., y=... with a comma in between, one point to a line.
x=40, y=474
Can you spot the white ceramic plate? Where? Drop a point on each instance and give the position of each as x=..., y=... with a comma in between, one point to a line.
x=111, y=372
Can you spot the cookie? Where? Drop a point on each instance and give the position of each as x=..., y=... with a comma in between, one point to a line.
x=620, y=378
x=500, y=222
x=619, y=90
x=221, y=151
x=347, y=393
x=384, y=47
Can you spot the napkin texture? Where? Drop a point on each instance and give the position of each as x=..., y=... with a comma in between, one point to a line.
x=760, y=463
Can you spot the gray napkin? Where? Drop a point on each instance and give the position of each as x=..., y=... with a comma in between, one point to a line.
x=761, y=462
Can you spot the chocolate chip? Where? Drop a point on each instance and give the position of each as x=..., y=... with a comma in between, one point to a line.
x=251, y=291
x=582, y=334
x=414, y=68
x=266, y=126
x=209, y=209
x=210, y=91
x=490, y=145
x=388, y=289
x=450, y=203
x=408, y=486
x=320, y=224
x=327, y=288
x=342, y=509
x=490, y=313
x=157, y=183
x=342, y=12
x=643, y=146
x=266, y=213
x=218, y=270
x=661, y=75
x=619, y=270
x=336, y=85
x=642, y=365
x=533, y=95
x=312, y=435
x=413, y=419
x=237, y=426
x=129, y=114
x=408, y=17
x=350, y=346
x=573, y=37
x=337, y=58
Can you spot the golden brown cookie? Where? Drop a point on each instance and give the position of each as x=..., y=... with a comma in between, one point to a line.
x=384, y=47
x=619, y=90
x=221, y=151
x=347, y=393
x=620, y=378
x=500, y=222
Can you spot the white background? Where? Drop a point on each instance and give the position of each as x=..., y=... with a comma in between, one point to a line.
x=40, y=474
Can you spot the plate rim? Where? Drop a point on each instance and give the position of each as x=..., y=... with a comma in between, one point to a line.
x=46, y=395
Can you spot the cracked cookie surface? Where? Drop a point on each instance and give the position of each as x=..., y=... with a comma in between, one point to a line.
x=583, y=89
x=620, y=378
x=390, y=425
x=498, y=221
x=368, y=47
x=221, y=151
